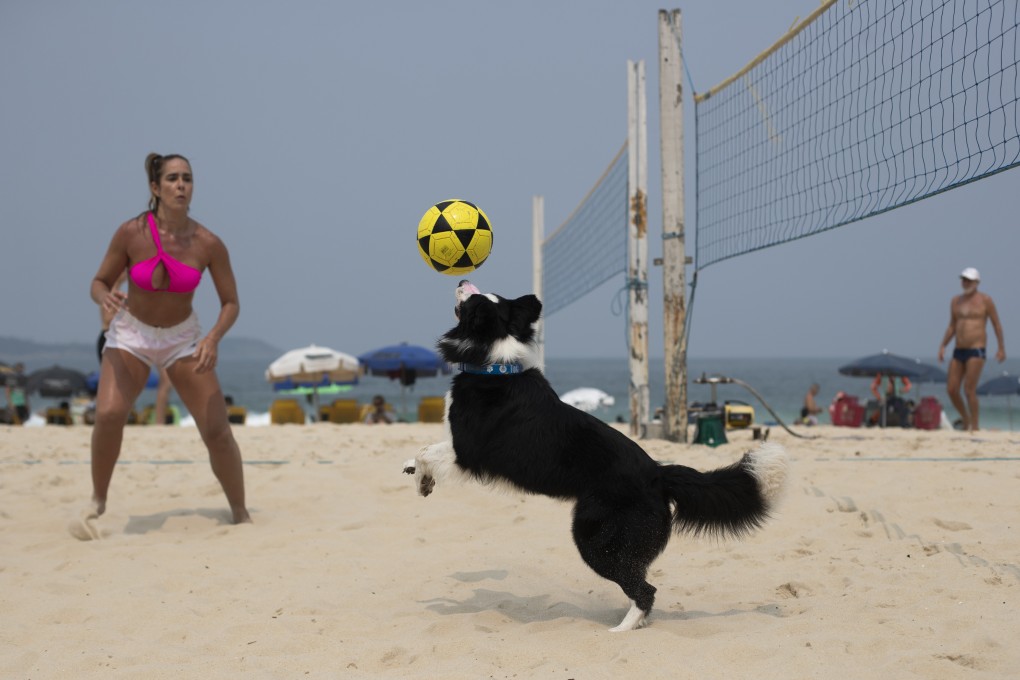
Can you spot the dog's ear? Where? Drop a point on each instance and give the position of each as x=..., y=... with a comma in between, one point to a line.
x=527, y=310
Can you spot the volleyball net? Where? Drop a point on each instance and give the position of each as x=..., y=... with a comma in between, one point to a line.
x=861, y=108
x=590, y=247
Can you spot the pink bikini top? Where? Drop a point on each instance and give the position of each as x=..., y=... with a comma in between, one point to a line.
x=180, y=277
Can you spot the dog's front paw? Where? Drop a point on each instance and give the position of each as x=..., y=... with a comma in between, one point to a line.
x=425, y=485
x=409, y=467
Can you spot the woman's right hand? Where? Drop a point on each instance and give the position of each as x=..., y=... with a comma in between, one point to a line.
x=114, y=301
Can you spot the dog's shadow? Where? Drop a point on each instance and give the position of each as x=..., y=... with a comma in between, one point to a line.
x=538, y=608
x=143, y=524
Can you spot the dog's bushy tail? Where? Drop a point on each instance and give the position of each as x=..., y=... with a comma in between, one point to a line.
x=731, y=501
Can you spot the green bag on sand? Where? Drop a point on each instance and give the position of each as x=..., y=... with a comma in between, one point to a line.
x=710, y=429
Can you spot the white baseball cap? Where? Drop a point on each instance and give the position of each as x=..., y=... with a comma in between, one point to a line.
x=970, y=274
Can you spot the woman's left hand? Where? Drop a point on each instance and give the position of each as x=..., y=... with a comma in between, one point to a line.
x=206, y=352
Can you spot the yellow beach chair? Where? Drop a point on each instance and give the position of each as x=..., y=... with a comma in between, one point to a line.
x=431, y=409
x=285, y=411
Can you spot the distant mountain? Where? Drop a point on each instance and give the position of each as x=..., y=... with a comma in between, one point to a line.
x=82, y=356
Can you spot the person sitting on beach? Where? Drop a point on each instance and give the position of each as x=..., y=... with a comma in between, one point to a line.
x=154, y=324
x=16, y=388
x=897, y=410
x=379, y=413
x=809, y=412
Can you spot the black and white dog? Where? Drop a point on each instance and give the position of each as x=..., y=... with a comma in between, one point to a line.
x=506, y=425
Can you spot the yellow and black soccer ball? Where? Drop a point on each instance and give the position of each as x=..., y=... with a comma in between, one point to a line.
x=454, y=237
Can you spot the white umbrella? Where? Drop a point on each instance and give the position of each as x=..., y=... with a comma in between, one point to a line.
x=587, y=398
x=313, y=367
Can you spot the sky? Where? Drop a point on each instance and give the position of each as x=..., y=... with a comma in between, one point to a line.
x=320, y=132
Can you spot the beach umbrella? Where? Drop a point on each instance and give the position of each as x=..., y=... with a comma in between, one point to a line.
x=1005, y=384
x=587, y=399
x=313, y=367
x=56, y=381
x=404, y=362
x=92, y=381
x=894, y=365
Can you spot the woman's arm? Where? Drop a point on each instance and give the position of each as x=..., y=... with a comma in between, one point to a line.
x=230, y=308
x=104, y=289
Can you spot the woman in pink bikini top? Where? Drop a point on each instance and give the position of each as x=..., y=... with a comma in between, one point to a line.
x=165, y=253
x=180, y=277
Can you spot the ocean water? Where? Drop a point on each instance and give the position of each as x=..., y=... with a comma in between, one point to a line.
x=782, y=383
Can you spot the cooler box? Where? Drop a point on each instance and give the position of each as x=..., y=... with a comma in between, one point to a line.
x=928, y=414
x=846, y=412
x=739, y=416
x=709, y=429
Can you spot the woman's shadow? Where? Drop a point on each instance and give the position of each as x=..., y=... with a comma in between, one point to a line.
x=143, y=524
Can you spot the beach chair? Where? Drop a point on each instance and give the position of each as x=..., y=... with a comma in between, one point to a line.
x=237, y=415
x=285, y=411
x=58, y=416
x=344, y=411
x=148, y=415
x=431, y=409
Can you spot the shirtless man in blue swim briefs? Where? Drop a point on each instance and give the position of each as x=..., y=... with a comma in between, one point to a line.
x=969, y=314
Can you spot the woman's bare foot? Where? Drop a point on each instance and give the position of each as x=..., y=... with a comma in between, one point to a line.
x=84, y=527
x=241, y=516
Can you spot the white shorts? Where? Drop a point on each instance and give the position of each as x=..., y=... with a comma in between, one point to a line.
x=157, y=347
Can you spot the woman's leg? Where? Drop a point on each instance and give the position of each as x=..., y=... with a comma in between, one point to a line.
x=203, y=397
x=122, y=378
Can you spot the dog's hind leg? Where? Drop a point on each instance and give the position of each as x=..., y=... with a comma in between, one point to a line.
x=619, y=544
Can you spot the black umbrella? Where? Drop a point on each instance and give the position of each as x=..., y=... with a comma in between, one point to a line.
x=894, y=365
x=57, y=381
x=1005, y=384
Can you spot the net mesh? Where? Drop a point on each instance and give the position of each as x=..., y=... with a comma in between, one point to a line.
x=590, y=247
x=872, y=105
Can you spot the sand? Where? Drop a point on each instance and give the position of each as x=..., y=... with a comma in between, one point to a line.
x=895, y=554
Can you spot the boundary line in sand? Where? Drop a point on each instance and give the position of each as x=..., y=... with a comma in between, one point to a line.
x=845, y=459
x=167, y=462
x=923, y=459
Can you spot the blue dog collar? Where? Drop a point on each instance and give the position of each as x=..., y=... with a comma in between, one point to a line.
x=492, y=369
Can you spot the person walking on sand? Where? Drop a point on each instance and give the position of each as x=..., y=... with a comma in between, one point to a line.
x=969, y=314
x=165, y=252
